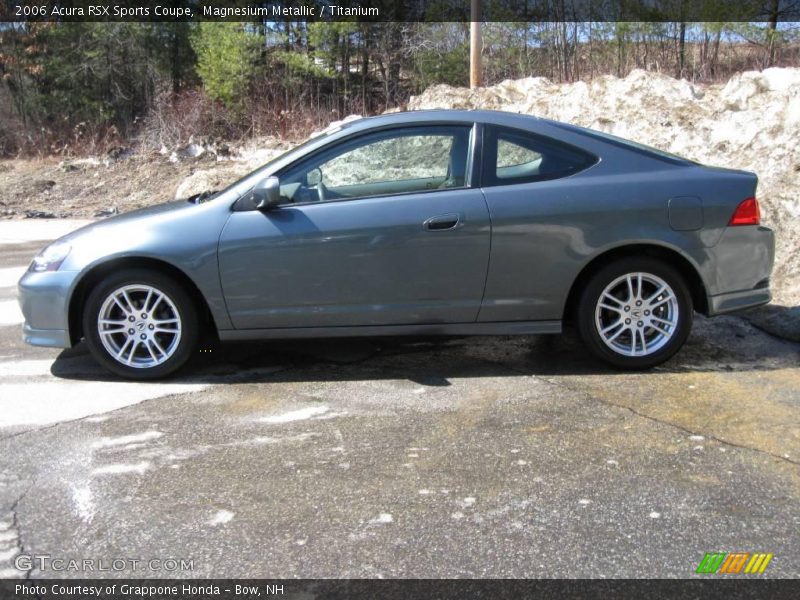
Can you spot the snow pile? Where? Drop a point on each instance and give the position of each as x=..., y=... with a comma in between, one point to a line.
x=752, y=123
x=235, y=164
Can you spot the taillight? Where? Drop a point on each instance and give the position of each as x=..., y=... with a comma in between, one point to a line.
x=747, y=213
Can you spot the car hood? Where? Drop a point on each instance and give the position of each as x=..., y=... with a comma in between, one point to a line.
x=178, y=232
x=142, y=215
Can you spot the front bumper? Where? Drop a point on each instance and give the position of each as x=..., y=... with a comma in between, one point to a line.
x=44, y=300
x=51, y=338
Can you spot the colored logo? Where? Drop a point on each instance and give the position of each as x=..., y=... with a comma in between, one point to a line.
x=734, y=563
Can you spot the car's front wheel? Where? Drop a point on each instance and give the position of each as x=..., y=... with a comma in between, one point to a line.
x=140, y=324
x=635, y=313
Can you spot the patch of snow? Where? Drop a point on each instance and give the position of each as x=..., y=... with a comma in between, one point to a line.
x=84, y=504
x=296, y=415
x=221, y=517
x=7, y=535
x=193, y=151
x=382, y=519
x=584, y=501
x=655, y=515
x=696, y=438
x=265, y=439
x=108, y=442
x=331, y=415
x=121, y=469
x=467, y=502
x=100, y=419
x=457, y=515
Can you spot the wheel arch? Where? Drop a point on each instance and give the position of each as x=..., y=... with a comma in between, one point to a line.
x=93, y=276
x=667, y=254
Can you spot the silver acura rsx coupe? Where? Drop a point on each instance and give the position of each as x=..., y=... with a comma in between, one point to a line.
x=429, y=222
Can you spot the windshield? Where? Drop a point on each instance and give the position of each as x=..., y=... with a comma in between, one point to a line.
x=254, y=175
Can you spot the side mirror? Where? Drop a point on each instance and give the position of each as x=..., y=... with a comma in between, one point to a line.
x=267, y=193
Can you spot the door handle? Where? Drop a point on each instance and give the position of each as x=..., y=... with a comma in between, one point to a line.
x=442, y=222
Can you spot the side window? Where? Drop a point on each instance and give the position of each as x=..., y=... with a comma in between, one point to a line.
x=412, y=159
x=510, y=154
x=515, y=156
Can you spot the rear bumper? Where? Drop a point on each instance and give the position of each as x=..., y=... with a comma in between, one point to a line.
x=737, y=269
x=725, y=303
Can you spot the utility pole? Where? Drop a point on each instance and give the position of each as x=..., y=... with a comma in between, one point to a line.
x=475, y=44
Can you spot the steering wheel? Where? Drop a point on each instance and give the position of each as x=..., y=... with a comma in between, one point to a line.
x=322, y=192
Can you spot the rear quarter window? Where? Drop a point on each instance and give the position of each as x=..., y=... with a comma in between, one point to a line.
x=514, y=156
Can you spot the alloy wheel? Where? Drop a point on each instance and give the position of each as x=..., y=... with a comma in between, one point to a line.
x=139, y=326
x=637, y=314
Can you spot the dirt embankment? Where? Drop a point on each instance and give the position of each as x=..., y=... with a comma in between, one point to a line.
x=752, y=122
x=123, y=180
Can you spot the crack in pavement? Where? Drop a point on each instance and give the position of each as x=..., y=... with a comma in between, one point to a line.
x=682, y=428
x=39, y=429
x=16, y=526
x=589, y=396
x=642, y=415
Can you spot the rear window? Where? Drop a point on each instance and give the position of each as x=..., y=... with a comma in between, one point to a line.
x=628, y=144
x=514, y=156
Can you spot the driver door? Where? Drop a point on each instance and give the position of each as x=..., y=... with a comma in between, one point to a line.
x=382, y=229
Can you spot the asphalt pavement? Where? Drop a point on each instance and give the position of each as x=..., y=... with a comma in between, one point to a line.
x=472, y=457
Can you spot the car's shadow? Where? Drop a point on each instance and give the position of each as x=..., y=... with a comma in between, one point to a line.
x=721, y=344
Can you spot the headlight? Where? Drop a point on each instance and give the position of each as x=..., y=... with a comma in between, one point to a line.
x=51, y=257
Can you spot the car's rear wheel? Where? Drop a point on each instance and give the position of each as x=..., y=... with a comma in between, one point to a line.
x=140, y=324
x=635, y=313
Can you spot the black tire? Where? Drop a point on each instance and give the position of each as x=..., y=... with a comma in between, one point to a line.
x=177, y=300
x=588, y=314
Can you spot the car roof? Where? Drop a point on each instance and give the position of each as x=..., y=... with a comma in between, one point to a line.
x=442, y=115
x=596, y=142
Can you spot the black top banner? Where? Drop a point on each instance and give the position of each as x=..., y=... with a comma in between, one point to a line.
x=398, y=589
x=401, y=10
